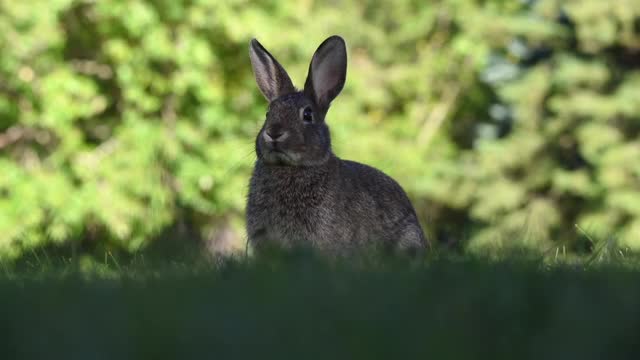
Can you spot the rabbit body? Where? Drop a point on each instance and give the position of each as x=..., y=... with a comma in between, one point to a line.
x=336, y=207
x=300, y=193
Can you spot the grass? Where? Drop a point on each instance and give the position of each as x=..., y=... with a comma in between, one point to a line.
x=301, y=307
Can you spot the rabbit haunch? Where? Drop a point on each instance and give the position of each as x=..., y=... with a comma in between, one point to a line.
x=300, y=193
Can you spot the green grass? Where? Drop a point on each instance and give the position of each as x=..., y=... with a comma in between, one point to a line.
x=301, y=307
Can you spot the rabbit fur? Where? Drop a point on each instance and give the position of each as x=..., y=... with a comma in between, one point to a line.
x=301, y=193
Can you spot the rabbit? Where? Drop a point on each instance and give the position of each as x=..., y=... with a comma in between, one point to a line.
x=300, y=192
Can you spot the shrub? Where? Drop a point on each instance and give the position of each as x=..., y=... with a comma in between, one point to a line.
x=505, y=121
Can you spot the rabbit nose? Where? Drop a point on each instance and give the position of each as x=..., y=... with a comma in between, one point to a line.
x=275, y=134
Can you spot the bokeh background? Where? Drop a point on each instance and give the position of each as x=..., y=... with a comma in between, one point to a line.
x=511, y=124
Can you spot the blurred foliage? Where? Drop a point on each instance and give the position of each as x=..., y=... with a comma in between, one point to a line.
x=506, y=121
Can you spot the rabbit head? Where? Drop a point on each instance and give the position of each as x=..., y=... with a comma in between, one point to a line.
x=294, y=132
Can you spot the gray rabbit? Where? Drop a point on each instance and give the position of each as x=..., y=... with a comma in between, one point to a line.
x=301, y=194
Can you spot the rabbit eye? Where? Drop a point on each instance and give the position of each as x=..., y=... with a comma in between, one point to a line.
x=307, y=115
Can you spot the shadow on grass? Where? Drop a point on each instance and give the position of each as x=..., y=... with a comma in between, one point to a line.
x=301, y=306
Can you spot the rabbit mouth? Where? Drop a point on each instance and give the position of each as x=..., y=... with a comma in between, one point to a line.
x=279, y=157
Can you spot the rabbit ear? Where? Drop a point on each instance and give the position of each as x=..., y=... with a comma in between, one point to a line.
x=327, y=72
x=271, y=77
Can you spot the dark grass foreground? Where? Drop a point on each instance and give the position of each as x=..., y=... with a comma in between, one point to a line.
x=302, y=308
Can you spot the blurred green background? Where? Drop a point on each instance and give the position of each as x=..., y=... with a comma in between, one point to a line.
x=509, y=123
